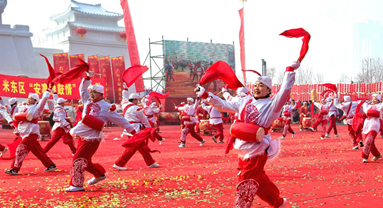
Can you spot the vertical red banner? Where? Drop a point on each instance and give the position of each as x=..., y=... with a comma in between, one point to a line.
x=242, y=44
x=107, y=74
x=118, y=68
x=74, y=59
x=61, y=62
x=132, y=44
x=94, y=65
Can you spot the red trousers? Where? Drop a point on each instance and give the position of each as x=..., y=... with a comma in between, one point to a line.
x=156, y=135
x=369, y=145
x=332, y=125
x=355, y=136
x=219, y=135
x=287, y=128
x=57, y=134
x=129, y=152
x=30, y=144
x=324, y=123
x=189, y=128
x=82, y=161
x=254, y=181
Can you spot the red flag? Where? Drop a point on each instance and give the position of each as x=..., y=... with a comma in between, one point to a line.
x=132, y=73
x=297, y=33
x=72, y=74
x=242, y=45
x=132, y=44
x=221, y=70
x=52, y=73
x=157, y=96
x=331, y=86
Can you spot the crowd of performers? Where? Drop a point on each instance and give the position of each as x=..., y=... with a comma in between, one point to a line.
x=254, y=114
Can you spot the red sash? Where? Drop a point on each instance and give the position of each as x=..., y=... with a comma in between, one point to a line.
x=244, y=110
x=126, y=108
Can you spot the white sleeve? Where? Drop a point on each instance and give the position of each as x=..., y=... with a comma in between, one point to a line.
x=55, y=97
x=280, y=98
x=143, y=119
x=125, y=95
x=84, y=90
x=222, y=105
x=41, y=104
x=119, y=120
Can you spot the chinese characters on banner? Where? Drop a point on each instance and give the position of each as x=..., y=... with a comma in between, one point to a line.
x=132, y=44
x=94, y=65
x=20, y=87
x=106, y=73
x=118, y=68
x=61, y=62
x=74, y=59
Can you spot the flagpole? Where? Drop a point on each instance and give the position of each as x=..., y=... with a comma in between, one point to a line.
x=244, y=50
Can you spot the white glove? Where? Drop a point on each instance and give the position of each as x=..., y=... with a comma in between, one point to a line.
x=51, y=90
x=223, y=90
x=124, y=85
x=199, y=90
x=89, y=74
x=46, y=94
x=296, y=65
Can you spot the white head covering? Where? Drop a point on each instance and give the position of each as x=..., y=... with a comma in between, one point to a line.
x=190, y=99
x=134, y=96
x=34, y=96
x=379, y=97
x=242, y=91
x=347, y=98
x=265, y=80
x=61, y=100
x=12, y=101
x=97, y=88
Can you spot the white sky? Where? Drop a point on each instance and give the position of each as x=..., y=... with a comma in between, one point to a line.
x=330, y=23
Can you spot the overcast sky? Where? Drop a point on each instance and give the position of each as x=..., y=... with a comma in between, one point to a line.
x=330, y=23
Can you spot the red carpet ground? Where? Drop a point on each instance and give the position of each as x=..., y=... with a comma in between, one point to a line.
x=309, y=172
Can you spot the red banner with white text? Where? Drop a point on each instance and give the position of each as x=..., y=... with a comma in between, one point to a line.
x=118, y=68
x=20, y=87
x=61, y=62
x=94, y=65
x=107, y=75
x=74, y=59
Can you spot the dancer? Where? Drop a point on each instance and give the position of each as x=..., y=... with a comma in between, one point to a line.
x=287, y=117
x=4, y=114
x=371, y=127
x=96, y=113
x=134, y=115
x=333, y=114
x=258, y=111
x=349, y=108
x=61, y=127
x=190, y=120
x=150, y=111
x=215, y=119
x=322, y=117
x=78, y=110
x=29, y=131
x=304, y=112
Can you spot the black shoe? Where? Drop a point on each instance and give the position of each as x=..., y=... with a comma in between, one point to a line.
x=214, y=139
x=12, y=172
x=51, y=168
x=361, y=144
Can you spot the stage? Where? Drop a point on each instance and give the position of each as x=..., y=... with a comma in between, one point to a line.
x=309, y=172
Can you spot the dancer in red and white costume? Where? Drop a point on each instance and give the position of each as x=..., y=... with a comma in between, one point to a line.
x=190, y=120
x=322, y=117
x=61, y=127
x=257, y=111
x=304, y=112
x=4, y=114
x=215, y=119
x=349, y=108
x=332, y=114
x=134, y=115
x=89, y=135
x=371, y=127
x=29, y=131
x=287, y=117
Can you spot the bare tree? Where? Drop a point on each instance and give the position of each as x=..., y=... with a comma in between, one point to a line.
x=371, y=71
x=304, y=75
x=271, y=72
x=279, y=77
x=318, y=78
x=343, y=78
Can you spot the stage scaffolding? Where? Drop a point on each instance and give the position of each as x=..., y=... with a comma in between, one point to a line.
x=156, y=65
